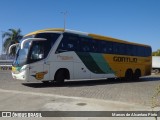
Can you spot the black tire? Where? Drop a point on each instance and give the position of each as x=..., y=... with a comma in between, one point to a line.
x=137, y=74
x=45, y=82
x=156, y=71
x=59, y=77
x=129, y=75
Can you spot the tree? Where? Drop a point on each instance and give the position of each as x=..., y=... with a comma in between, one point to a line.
x=10, y=37
x=156, y=53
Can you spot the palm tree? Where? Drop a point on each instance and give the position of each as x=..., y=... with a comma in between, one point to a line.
x=12, y=36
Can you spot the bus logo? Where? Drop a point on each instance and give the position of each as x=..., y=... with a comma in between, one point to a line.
x=124, y=59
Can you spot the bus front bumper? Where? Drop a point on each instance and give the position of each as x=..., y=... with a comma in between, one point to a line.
x=20, y=76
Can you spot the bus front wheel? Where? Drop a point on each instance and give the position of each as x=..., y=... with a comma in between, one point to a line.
x=60, y=76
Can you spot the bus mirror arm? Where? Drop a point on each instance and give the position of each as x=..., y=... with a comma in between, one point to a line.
x=31, y=39
x=10, y=47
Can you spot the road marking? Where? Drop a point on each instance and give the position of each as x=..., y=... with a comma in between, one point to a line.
x=31, y=93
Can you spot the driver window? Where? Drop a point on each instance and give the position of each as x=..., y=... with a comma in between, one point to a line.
x=37, y=52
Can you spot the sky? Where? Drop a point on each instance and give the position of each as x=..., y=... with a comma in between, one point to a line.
x=130, y=20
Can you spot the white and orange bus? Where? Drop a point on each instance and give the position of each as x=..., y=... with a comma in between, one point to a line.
x=58, y=55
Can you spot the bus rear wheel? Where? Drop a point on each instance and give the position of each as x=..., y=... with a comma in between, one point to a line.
x=156, y=71
x=129, y=75
x=45, y=82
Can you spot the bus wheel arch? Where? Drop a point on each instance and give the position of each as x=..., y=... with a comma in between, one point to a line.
x=60, y=76
x=137, y=74
x=129, y=74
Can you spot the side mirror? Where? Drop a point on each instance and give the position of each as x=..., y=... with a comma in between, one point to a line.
x=13, y=45
x=31, y=39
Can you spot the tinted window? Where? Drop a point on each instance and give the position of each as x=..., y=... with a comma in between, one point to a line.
x=68, y=43
x=148, y=51
x=40, y=49
x=109, y=46
x=85, y=45
x=129, y=50
x=121, y=49
x=140, y=51
x=103, y=48
x=51, y=37
x=72, y=42
x=134, y=50
x=95, y=46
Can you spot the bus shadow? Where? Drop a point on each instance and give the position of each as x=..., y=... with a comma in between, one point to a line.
x=91, y=82
x=38, y=85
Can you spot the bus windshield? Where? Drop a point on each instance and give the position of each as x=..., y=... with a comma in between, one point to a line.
x=33, y=51
x=21, y=55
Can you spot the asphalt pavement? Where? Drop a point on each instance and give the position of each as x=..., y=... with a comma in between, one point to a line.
x=98, y=95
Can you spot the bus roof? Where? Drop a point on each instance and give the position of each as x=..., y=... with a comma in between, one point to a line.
x=95, y=36
x=46, y=30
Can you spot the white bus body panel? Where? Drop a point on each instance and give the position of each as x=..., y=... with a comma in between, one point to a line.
x=38, y=71
x=77, y=69
x=61, y=60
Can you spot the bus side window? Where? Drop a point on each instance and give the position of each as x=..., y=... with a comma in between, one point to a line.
x=143, y=51
x=106, y=47
x=85, y=45
x=134, y=49
x=103, y=47
x=68, y=43
x=127, y=49
x=95, y=46
x=131, y=50
x=51, y=39
x=121, y=49
x=62, y=46
x=115, y=48
x=148, y=51
x=138, y=51
x=72, y=43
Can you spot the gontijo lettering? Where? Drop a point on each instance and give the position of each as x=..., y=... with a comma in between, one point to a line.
x=124, y=59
